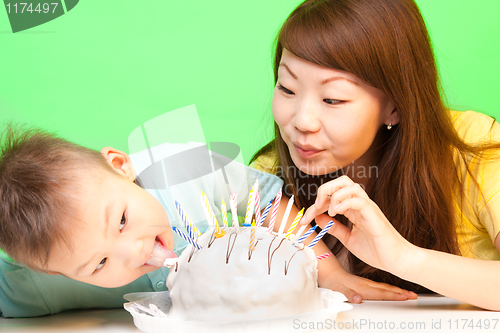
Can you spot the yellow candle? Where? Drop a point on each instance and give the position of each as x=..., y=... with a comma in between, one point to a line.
x=209, y=213
x=249, y=212
x=295, y=223
x=252, y=237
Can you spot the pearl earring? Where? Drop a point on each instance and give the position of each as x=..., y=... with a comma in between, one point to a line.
x=389, y=127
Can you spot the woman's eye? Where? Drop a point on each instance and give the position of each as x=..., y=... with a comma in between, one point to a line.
x=101, y=264
x=332, y=101
x=123, y=222
x=285, y=90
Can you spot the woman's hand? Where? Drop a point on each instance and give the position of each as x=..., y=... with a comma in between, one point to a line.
x=372, y=238
x=356, y=288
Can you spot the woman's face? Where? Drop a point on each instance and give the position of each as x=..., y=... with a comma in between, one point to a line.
x=328, y=118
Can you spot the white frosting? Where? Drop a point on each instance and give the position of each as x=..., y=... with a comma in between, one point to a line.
x=204, y=288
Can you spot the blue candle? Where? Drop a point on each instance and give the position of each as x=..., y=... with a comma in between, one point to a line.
x=307, y=234
x=321, y=234
x=186, y=238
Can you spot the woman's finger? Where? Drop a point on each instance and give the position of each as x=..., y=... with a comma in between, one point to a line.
x=394, y=289
x=355, y=204
x=385, y=295
x=327, y=189
x=310, y=214
x=323, y=198
x=350, y=191
x=352, y=296
x=341, y=232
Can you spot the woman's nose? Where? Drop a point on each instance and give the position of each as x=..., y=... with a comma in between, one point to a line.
x=306, y=118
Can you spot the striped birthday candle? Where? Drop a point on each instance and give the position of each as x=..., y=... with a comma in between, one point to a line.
x=250, y=207
x=191, y=228
x=264, y=214
x=323, y=256
x=307, y=234
x=274, y=214
x=295, y=223
x=321, y=234
x=209, y=213
x=252, y=237
x=234, y=211
x=186, y=238
x=257, y=205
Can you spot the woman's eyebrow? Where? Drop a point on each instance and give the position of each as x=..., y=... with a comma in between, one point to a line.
x=289, y=70
x=334, y=78
x=325, y=81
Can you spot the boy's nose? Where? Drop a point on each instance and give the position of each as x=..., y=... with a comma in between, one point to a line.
x=306, y=118
x=132, y=252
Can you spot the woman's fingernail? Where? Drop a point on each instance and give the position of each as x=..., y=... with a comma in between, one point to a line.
x=331, y=212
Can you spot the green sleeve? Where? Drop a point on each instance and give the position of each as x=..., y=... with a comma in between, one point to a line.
x=26, y=293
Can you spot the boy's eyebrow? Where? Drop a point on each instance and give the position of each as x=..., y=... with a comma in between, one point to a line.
x=79, y=269
x=107, y=213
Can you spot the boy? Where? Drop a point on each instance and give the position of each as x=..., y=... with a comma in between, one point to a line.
x=85, y=229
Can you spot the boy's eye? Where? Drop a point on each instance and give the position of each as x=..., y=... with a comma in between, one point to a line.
x=123, y=222
x=101, y=264
x=285, y=90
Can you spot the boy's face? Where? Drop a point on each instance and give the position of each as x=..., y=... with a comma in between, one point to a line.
x=115, y=231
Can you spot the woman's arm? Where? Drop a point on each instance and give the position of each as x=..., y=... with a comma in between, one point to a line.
x=331, y=275
x=374, y=240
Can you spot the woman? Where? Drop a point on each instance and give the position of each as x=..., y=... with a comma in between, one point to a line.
x=357, y=94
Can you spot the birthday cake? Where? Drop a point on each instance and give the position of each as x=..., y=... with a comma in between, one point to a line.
x=244, y=273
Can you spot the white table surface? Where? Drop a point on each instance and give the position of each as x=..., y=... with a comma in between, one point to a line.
x=426, y=314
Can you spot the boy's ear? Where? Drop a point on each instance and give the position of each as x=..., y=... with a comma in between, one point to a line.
x=120, y=161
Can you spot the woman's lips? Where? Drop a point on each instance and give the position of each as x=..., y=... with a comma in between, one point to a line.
x=306, y=151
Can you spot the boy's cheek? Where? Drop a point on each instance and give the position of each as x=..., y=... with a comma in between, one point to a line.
x=168, y=239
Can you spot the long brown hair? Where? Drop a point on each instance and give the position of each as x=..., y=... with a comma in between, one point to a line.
x=386, y=44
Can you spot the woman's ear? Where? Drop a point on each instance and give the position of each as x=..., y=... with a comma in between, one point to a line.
x=119, y=161
x=393, y=117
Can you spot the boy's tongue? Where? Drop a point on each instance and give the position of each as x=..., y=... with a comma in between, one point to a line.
x=161, y=256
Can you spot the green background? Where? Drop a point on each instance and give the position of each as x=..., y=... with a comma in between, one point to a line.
x=97, y=72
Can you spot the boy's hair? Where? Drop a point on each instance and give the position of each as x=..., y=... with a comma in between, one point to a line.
x=39, y=174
